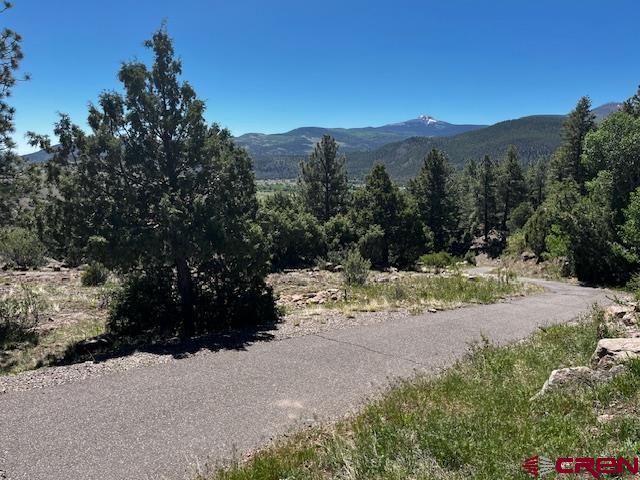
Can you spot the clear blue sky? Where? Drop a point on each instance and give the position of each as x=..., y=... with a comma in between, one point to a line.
x=270, y=66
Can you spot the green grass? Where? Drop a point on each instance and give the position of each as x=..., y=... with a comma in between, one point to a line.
x=474, y=421
x=421, y=292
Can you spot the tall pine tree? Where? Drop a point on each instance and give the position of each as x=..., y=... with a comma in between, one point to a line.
x=486, y=195
x=512, y=189
x=566, y=162
x=435, y=198
x=323, y=180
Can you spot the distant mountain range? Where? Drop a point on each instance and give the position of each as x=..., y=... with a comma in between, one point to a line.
x=302, y=140
x=402, y=146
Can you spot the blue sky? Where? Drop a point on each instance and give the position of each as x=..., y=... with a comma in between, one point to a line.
x=270, y=66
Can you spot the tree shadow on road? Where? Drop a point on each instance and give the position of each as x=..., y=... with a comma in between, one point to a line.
x=104, y=347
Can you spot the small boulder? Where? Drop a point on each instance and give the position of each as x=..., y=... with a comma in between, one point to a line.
x=616, y=311
x=526, y=256
x=574, y=377
x=611, y=351
x=630, y=319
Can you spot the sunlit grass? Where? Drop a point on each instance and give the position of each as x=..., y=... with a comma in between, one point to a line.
x=419, y=293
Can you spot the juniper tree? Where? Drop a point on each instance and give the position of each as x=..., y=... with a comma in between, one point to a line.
x=167, y=195
x=323, y=180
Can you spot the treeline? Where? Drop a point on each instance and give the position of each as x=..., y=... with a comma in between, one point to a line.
x=441, y=209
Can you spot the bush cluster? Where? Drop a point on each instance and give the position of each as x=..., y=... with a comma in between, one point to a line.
x=21, y=248
x=437, y=260
x=94, y=275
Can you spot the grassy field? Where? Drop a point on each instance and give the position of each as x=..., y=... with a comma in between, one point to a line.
x=474, y=421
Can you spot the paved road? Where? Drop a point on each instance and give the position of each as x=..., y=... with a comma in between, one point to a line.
x=154, y=422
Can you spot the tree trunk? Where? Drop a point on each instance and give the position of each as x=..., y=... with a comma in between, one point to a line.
x=185, y=289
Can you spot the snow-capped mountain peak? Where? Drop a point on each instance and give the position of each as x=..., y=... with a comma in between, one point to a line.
x=428, y=119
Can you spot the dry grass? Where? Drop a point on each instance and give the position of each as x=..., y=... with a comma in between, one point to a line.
x=70, y=313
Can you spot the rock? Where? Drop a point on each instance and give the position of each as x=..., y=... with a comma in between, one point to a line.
x=432, y=310
x=574, y=377
x=605, y=418
x=629, y=318
x=526, y=256
x=338, y=268
x=611, y=351
x=297, y=298
x=616, y=311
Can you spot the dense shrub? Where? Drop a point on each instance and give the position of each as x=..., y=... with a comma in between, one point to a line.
x=294, y=236
x=516, y=244
x=340, y=233
x=145, y=304
x=373, y=246
x=633, y=285
x=94, y=275
x=356, y=268
x=470, y=257
x=437, y=260
x=519, y=216
x=21, y=248
x=148, y=304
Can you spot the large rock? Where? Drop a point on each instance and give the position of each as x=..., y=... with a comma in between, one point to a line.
x=574, y=377
x=613, y=312
x=611, y=351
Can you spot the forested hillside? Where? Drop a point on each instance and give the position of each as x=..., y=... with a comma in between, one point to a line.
x=535, y=137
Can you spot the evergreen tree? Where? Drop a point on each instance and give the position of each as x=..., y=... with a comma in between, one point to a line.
x=323, y=180
x=537, y=182
x=435, y=198
x=614, y=147
x=512, y=189
x=170, y=199
x=466, y=191
x=10, y=58
x=386, y=220
x=632, y=105
x=486, y=196
x=566, y=162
